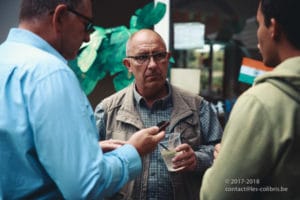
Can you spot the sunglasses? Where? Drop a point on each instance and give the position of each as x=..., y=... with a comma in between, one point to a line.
x=89, y=26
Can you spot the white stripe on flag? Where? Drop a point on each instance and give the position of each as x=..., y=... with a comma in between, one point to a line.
x=251, y=71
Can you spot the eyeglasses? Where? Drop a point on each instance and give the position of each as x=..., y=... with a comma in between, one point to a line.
x=89, y=26
x=145, y=59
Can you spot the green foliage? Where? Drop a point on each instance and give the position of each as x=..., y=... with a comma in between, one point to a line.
x=103, y=54
x=147, y=16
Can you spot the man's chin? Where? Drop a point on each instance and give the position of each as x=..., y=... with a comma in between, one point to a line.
x=155, y=85
x=154, y=79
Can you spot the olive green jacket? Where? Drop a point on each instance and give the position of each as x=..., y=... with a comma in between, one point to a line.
x=260, y=150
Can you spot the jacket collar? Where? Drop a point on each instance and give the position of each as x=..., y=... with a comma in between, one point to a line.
x=161, y=103
x=129, y=114
x=285, y=77
x=288, y=70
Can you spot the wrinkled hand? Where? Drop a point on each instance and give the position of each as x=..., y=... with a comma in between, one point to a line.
x=146, y=140
x=217, y=150
x=186, y=158
x=109, y=145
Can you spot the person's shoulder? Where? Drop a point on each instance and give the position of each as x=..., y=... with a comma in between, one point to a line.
x=35, y=65
x=185, y=93
x=263, y=96
x=263, y=91
x=117, y=94
x=184, y=97
x=115, y=99
x=38, y=59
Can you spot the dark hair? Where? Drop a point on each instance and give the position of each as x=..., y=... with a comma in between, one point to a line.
x=35, y=8
x=287, y=14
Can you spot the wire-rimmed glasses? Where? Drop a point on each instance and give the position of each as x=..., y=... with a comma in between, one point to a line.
x=145, y=58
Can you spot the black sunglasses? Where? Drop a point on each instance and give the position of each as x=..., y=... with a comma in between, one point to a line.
x=89, y=26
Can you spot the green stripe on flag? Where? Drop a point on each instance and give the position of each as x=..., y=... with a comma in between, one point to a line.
x=246, y=79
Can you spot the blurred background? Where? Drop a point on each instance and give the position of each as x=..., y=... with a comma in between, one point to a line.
x=222, y=33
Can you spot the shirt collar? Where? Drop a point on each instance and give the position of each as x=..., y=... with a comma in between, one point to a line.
x=159, y=103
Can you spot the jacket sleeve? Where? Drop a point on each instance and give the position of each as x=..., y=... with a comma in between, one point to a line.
x=211, y=134
x=100, y=118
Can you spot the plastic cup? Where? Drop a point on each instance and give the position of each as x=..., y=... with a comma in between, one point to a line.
x=169, y=153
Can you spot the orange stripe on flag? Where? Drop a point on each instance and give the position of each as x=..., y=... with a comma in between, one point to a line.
x=255, y=64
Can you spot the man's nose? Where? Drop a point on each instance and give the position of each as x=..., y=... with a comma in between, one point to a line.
x=152, y=60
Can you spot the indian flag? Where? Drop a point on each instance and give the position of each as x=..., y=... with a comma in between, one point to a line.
x=250, y=69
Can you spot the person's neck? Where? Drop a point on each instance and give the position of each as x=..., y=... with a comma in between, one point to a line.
x=39, y=27
x=290, y=55
x=286, y=50
x=150, y=95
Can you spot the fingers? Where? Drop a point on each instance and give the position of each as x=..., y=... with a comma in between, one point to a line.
x=191, y=163
x=215, y=154
x=146, y=140
x=109, y=145
x=157, y=136
x=188, y=164
x=186, y=158
x=217, y=150
x=113, y=142
x=117, y=142
x=151, y=130
x=218, y=147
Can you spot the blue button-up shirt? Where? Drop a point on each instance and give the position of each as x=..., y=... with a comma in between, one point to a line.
x=48, y=139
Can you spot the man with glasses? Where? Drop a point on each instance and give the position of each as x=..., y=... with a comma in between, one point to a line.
x=89, y=27
x=48, y=137
x=146, y=102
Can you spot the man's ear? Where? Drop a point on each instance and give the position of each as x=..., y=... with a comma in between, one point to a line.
x=275, y=29
x=126, y=62
x=58, y=15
